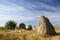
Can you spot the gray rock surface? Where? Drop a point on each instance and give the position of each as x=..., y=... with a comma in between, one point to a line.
x=44, y=26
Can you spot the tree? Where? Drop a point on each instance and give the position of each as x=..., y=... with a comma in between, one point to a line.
x=22, y=25
x=10, y=24
x=29, y=27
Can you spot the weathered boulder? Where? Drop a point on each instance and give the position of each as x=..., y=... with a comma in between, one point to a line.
x=44, y=26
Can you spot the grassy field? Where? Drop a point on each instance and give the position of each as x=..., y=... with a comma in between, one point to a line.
x=26, y=35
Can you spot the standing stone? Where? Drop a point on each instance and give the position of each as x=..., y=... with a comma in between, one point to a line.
x=44, y=26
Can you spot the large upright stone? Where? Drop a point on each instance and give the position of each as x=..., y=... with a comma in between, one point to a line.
x=44, y=26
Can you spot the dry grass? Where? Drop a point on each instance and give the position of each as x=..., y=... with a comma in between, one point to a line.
x=26, y=35
x=57, y=28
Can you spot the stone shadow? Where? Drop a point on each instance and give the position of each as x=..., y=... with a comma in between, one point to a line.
x=57, y=34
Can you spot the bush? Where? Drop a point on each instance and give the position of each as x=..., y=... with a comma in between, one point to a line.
x=2, y=28
x=10, y=24
x=22, y=25
x=29, y=27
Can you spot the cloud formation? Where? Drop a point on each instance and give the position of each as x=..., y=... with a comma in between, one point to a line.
x=28, y=11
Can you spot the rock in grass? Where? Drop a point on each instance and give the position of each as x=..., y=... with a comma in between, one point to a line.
x=44, y=26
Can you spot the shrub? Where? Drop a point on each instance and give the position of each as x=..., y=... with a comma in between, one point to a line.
x=29, y=27
x=10, y=24
x=22, y=25
x=2, y=28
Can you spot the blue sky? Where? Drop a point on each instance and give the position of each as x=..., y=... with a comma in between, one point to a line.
x=29, y=11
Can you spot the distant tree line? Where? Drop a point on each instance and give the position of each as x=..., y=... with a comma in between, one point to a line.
x=11, y=24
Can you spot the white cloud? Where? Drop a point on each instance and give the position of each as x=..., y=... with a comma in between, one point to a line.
x=20, y=13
